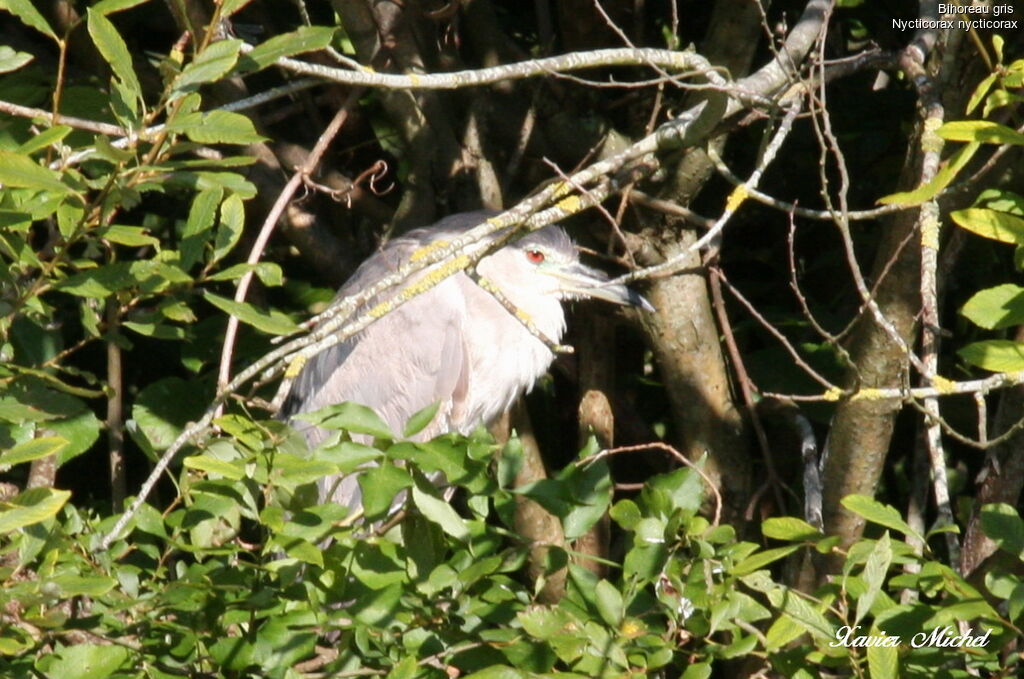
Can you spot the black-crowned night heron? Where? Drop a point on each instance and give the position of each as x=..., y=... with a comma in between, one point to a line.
x=455, y=343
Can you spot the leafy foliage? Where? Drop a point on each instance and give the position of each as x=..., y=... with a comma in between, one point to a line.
x=185, y=591
x=128, y=241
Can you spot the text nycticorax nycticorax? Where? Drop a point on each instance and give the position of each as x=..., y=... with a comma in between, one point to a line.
x=455, y=343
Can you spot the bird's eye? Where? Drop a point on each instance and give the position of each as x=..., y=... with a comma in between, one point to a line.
x=535, y=256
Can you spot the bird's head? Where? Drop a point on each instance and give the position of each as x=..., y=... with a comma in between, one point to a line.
x=548, y=263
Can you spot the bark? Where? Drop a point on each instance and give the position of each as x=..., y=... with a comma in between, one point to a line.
x=684, y=337
x=683, y=332
x=1001, y=480
x=596, y=349
x=862, y=428
x=533, y=523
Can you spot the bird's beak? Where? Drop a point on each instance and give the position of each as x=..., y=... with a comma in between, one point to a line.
x=579, y=280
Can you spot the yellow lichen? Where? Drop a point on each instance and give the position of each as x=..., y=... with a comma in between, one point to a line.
x=943, y=386
x=295, y=367
x=559, y=189
x=833, y=394
x=426, y=250
x=930, y=141
x=435, y=276
x=736, y=198
x=380, y=309
x=930, y=232
x=571, y=205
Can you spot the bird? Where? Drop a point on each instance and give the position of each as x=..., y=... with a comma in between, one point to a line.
x=455, y=344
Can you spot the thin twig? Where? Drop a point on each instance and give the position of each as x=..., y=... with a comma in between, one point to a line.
x=256, y=253
x=746, y=384
x=933, y=114
x=736, y=198
x=659, y=445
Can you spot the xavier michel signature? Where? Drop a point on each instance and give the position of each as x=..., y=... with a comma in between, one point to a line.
x=944, y=637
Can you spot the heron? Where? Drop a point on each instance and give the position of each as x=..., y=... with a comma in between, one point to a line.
x=455, y=344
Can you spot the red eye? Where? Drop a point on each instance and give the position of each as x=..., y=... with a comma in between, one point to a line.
x=535, y=256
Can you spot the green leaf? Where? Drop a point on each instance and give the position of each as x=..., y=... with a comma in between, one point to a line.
x=352, y=417
x=497, y=672
x=156, y=330
x=305, y=552
x=1003, y=525
x=544, y=623
x=31, y=507
x=781, y=632
x=203, y=212
x=29, y=15
x=939, y=182
x=420, y=419
x=883, y=661
x=22, y=172
x=759, y=560
x=201, y=217
x=404, y=669
x=132, y=236
x=69, y=217
x=209, y=65
x=99, y=283
x=209, y=463
x=790, y=528
x=980, y=91
x=875, y=569
x=380, y=486
x=876, y=512
x=203, y=180
x=11, y=60
x=303, y=39
x=995, y=355
x=983, y=131
x=803, y=612
x=609, y=603
x=437, y=510
x=1000, y=226
x=626, y=514
x=293, y=470
x=424, y=546
x=348, y=456
x=162, y=410
x=272, y=323
x=1015, y=604
x=590, y=493
x=45, y=138
x=66, y=416
x=111, y=6
x=33, y=450
x=697, y=671
x=215, y=127
x=268, y=273
x=78, y=585
x=229, y=7
x=684, y=487
x=109, y=152
x=89, y=661
x=998, y=307
x=230, y=227
x=113, y=48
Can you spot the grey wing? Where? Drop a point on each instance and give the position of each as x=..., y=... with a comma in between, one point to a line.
x=402, y=363
x=409, y=359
